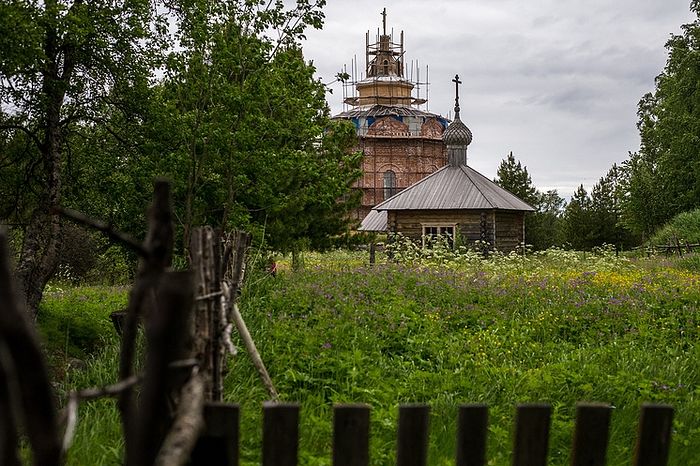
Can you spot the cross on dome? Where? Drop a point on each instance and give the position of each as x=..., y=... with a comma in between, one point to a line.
x=457, y=83
x=384, y=20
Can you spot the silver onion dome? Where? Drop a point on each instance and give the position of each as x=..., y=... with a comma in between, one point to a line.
x=457, y=133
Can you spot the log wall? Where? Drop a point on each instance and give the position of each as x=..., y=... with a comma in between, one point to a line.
x=505, y=228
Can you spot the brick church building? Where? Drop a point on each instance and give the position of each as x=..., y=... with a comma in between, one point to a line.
x=401, y=143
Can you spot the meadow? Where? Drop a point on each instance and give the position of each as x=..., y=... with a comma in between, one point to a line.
x=557, y=326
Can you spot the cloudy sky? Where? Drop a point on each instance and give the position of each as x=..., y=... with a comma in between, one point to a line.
x=555, y=81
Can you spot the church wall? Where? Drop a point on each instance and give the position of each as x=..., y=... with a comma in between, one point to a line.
x=411, y=158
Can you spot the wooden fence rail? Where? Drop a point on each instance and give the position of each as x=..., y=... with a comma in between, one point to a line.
x=351, y=435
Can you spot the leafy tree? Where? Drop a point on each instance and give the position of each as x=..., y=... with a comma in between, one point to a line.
x=254, y=146
x=511, y=175
x=545, y=228
x=241, y=126
x=542, y=228
x=643, y=206
x=607, y=197
x=234, y=118
x=664, y=177
x=578, y=220
x=60, y=62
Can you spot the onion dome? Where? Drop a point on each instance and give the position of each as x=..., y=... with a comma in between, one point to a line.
x=457, y=134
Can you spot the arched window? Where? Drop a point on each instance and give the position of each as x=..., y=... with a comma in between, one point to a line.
x=385, y=67
x=389, y=184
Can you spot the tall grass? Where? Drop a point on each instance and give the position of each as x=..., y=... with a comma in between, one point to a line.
x=557, y=327
x=82, y=349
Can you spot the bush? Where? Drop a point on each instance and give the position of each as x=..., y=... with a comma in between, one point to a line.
x=684, y=227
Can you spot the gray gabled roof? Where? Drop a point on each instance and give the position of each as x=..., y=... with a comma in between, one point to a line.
x=454, y=188
x=376, y=220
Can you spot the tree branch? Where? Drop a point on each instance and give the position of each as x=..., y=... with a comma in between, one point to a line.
x=26, y=131
x=106, y=228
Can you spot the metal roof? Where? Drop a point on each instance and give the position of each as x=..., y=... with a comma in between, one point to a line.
x=386, y=110
x=455, y=188
x=376, y=220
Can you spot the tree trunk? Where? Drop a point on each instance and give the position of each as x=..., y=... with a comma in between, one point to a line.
x=38, y=259
x=43, y=240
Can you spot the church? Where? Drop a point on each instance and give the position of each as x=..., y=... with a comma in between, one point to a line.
x=416, y=180
x=401, y=143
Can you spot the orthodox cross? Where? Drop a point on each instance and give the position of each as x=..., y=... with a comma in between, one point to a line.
x=457, y=83
x=384, y=20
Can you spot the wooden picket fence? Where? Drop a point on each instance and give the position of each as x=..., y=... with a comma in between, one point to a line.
x=218, y=445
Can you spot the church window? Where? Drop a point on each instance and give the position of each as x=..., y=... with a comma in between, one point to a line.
x=385, y=67
x=389, y=184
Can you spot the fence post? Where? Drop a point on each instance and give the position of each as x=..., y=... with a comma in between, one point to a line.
x=280, y=434
x=9, y=441
x=204, y=264
x=591, y=434
x=472, y=425
x=412, y=442
x=654, y=437
x=218, y=444
x=351, y=435
x=531, y=434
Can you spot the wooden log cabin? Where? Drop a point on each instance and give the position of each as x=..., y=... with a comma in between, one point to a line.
x=455, y=201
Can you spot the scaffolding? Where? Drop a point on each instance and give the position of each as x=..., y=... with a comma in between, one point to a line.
x=397, y=134
x=385, y=70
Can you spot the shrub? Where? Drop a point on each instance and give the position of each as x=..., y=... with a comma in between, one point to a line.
x=684, y=227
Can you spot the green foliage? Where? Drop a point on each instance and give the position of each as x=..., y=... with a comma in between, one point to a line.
x=75, y=320
x=241, y=127
x=543, y=228
x=100, y=99
x=61, y=64
x=683, y=228
x=597, y=219
x=556, y=326
x=664, y=177
x=511, y=175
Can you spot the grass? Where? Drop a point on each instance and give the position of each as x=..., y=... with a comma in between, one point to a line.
x=557, y=327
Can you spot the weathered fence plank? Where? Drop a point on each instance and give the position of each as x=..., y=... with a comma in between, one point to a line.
x=412, y=443
x=591, y=435
x=157, y=255
x=351, y=435
x=531, y=434
x=203, y=262
x=654, y=436
x=9, y=440
x=169, y=340
x=29, y=388
x=472, y=426
x=280, y=434
x=218, y=444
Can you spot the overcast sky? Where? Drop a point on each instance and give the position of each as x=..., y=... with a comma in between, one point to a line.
x=555, y=81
